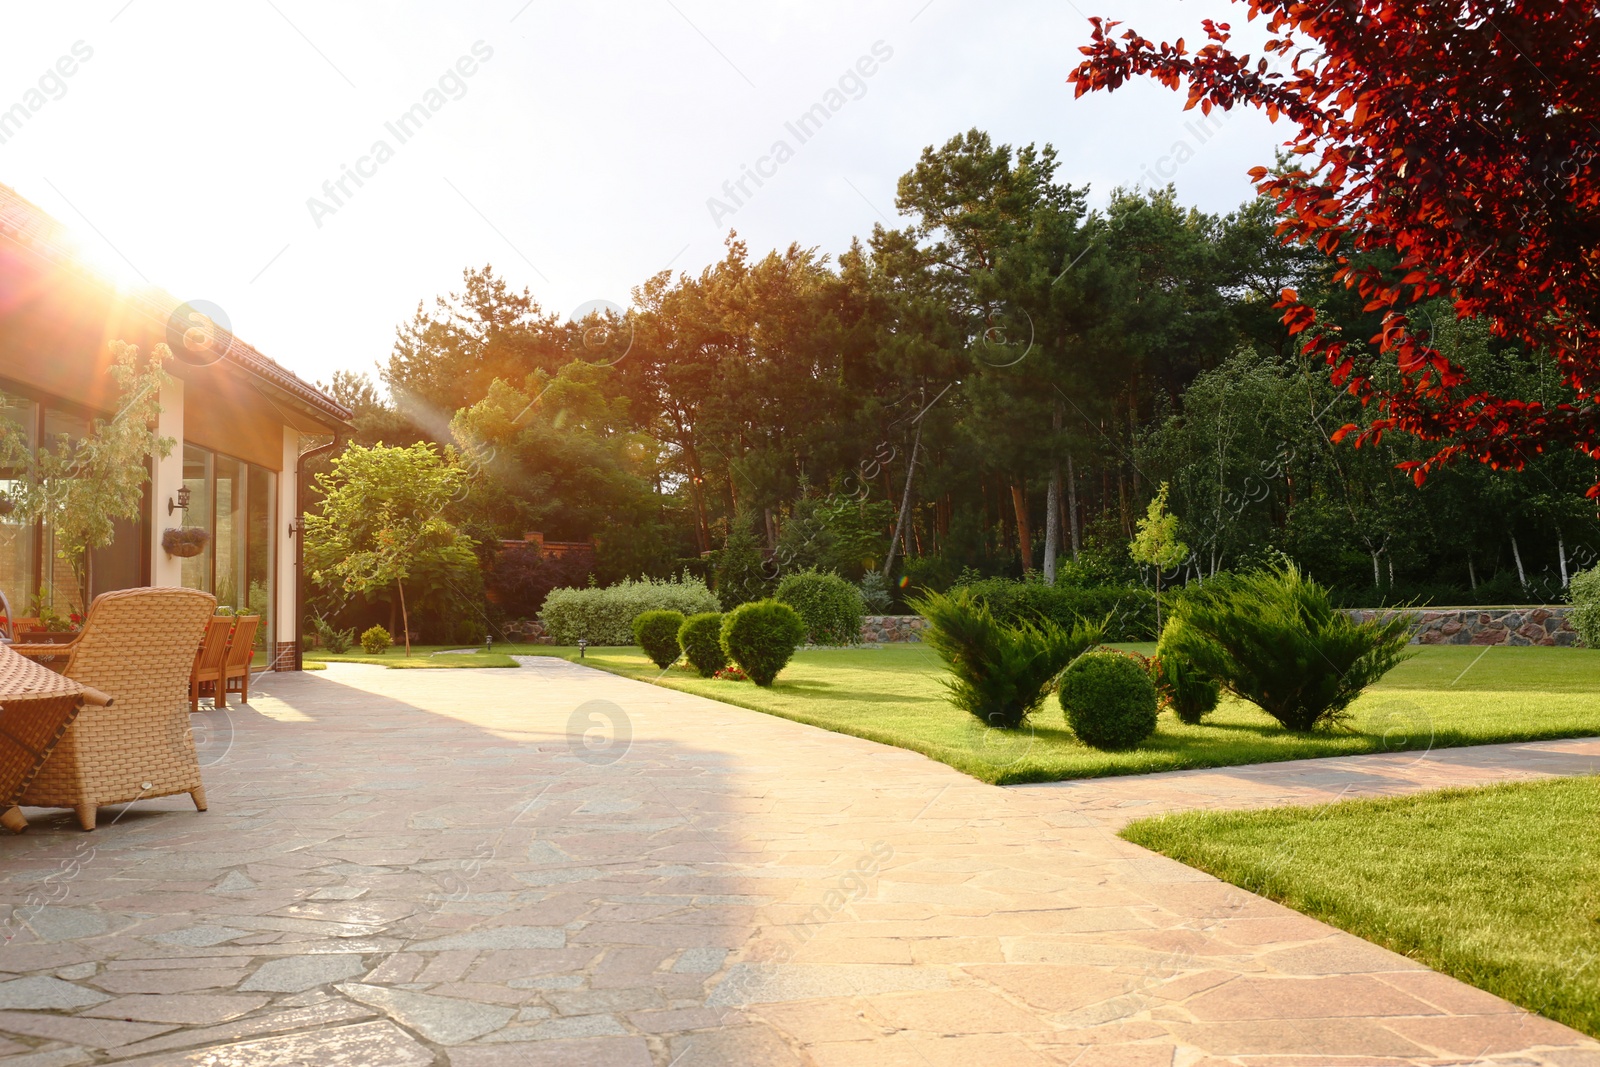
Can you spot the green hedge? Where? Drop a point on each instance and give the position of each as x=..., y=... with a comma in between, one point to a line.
x=828, y=605
x=605, y=616
x=761, y=636
x=1128, y=611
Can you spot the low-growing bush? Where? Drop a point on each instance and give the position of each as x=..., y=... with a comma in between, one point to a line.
x=761, y=637
x=829, y=606
x=1127, y=612
x=1585, y=595
x=605, y=616
x=657, y=633
x=376, y=641
x=998, y=673
x=1109, y=699
x=1183, y=687
x=701, y=639
x=1275, y=639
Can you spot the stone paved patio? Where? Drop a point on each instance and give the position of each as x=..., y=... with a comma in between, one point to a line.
x=440, y=867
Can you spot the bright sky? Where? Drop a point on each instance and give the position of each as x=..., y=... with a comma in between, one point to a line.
x=573, y=146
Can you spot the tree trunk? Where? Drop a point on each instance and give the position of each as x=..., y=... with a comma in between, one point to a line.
x=1561, y=554
x=772, y=530
x=1516, y=554
x=1072, y=507
x=1377, y=580
x=1472, y=573
x=405, y=619
x=1052, y=507
x=905, y=505
x=1019, y=504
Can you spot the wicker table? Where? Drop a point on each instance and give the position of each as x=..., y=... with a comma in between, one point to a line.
x=36, y=707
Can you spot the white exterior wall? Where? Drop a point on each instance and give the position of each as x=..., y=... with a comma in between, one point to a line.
x=288, y=512
x=167, y=570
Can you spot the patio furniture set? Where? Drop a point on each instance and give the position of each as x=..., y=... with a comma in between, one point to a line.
x=100, y=719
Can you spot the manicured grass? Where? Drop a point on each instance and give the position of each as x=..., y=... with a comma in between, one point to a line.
x=429, y=657
x=1445, y=696
x=1499, y=887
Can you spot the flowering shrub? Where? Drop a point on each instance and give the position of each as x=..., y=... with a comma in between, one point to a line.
x=731, y=674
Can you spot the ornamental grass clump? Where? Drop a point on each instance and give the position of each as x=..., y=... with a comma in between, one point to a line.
x=657, y=633
x=1275, y=639
x=1109, y=699
x=701, y=638
x=761, y=637
x=998, y=673
x=1183, y=687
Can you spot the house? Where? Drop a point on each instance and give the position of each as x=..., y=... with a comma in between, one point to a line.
x=242, y=424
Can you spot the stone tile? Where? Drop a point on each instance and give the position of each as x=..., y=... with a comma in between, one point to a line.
x=91, y=1033
x=700, y=960
x=295, y=974
x=591, y=1052
x=907, y=1050
x=361, y=1045
x=964, y=1011
x=766, y=984
x=322, y=1015
x=46, y=992
x=188, y=1009
x=169, y=980
x=443, y=1019
x=734, y=1044
x=1482, y=1035
x=1345, y=996
x=61, y=1057
x=496, y=937
x=1306, y=1037
x=203, y=936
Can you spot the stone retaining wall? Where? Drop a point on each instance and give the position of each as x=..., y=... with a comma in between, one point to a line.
x=892, y=629
x=1548, y=625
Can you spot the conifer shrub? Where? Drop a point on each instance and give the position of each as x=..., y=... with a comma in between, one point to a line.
x=657, y=633
x=701, y=638
x=761, y=637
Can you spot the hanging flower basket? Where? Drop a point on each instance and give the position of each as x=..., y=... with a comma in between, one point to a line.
x=185, y=543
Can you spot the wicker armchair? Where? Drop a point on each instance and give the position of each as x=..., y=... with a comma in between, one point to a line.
x=138, y=645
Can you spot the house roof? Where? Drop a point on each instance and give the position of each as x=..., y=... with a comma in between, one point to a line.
x=28, y=226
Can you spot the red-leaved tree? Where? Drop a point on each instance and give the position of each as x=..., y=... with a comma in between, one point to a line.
x=1460, y=138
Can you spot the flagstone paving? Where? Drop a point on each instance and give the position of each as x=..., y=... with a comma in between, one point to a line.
x=556, y=866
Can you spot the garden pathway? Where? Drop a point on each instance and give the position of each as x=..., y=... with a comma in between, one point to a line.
x=554, y=866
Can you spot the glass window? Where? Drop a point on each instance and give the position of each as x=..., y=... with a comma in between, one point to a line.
x=197, y=469
x=261, y=551
x=228, y=541
x=19, y=540
x=64, y=586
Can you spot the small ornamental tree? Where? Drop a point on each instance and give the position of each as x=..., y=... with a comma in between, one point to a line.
x=1156, y=542
x=81, y=487
x=385, y=513
x=1448, y=150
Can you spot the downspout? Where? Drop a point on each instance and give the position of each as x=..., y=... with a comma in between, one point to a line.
x=299, y=526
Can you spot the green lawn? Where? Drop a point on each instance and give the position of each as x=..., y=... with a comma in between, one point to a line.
x=439, y=657
x=1499, y=887
x=1445, y=696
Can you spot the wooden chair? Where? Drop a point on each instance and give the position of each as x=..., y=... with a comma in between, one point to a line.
x=241, y=650
x=209, y=662
x=138, y=647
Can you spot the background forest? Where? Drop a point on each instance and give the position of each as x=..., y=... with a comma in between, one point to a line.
x=996, y=388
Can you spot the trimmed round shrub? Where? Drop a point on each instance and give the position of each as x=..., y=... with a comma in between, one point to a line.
x=1183, y=687
x=761, y=636
x=657, y=633
x=829, y=606
x=701, y=638
x=1585, y=595
x=1109, y=699
x=376, y=641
